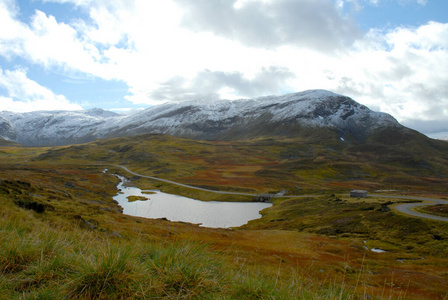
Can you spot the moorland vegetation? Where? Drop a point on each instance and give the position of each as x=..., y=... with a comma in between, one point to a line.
x=63, y=236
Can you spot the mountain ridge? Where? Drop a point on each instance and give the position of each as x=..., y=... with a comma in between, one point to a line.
x=286, y=115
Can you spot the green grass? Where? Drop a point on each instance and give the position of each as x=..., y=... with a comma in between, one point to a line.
x=136, y=198
x=41, y=262
x=438, y=210
x=62, y=235
x=350, y=218
x=299, y=165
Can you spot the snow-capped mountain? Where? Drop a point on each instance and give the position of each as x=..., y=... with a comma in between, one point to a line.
x=272, y=115
x=287, y=115
x=6, y=130
x=55, y=127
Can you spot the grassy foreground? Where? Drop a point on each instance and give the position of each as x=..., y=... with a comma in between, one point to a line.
x=45, y=257
x=62, y=235
x=39, y=262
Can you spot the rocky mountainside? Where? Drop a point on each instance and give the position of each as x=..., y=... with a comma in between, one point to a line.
x=6, y=131
x=305, y=113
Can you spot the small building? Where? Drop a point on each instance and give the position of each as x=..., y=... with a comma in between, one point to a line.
x=359, y=194
x=263, y=198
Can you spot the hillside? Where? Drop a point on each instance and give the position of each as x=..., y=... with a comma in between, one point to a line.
x=62, y=235
x=293, y=115
x=410, y=162
x=4, y=142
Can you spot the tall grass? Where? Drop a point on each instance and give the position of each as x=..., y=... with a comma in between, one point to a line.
x=38, y=261
x=182, y=269
x=107, y=271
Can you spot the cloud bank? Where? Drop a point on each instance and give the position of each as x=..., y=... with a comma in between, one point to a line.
x=175, y=50
x=315, y=24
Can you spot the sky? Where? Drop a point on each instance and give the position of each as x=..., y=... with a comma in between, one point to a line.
x=126, y=55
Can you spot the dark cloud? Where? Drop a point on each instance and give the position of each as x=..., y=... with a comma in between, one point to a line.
x=207, y=84
x=316, y=24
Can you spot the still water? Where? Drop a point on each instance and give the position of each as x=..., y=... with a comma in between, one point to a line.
x=178, y=208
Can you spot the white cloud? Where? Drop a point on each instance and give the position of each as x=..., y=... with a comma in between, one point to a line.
x=173, y=50
x=52, y=43
x=142, y=44
x=49, y=43
x=316, y=24
x=402, y=73
x=11, y=31
x=25, y=94
x=218, y=84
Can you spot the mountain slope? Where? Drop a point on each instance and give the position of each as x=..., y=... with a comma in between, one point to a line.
x=299, y=114
x=6, y=131
x=288, y=115
x=43, y=128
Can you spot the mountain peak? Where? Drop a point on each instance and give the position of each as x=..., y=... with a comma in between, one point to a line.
x=286, y=115
x=304, y=95
x=99, y=112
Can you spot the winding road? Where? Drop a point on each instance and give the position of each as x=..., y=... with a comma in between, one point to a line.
x=405, y=208
x=184, y=185
x=207, y=190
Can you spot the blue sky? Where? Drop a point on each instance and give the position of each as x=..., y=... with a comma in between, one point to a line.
x=392, y=13
x=122, y=55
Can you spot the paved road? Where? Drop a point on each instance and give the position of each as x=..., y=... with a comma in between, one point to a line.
x=184, y=185
x=405, y=208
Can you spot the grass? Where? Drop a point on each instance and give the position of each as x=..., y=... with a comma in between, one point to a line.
x=38, y=261
x=41, y=262
x=439, y=210
x=137, y=198
x=80, y=245
x=298, y=165
x=346, y=217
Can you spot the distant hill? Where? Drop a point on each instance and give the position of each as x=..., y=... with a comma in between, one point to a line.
x=49, y=128
x=314, y=112
x=7, y=143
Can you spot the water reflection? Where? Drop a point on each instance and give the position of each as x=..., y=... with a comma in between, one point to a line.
x=178, y=208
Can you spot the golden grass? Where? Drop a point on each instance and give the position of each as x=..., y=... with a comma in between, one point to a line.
x=310, y=248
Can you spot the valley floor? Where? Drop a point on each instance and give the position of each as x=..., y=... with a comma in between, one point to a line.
x=405, y=208
x=63, y=236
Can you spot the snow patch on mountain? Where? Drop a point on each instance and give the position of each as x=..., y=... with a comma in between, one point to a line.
x=310, y=108
x=56, y=127
x=6, y=131
x=216, y=119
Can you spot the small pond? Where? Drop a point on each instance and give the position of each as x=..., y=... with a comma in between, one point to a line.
x=178, y=208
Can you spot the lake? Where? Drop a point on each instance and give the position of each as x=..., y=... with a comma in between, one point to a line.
x=213, y=214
